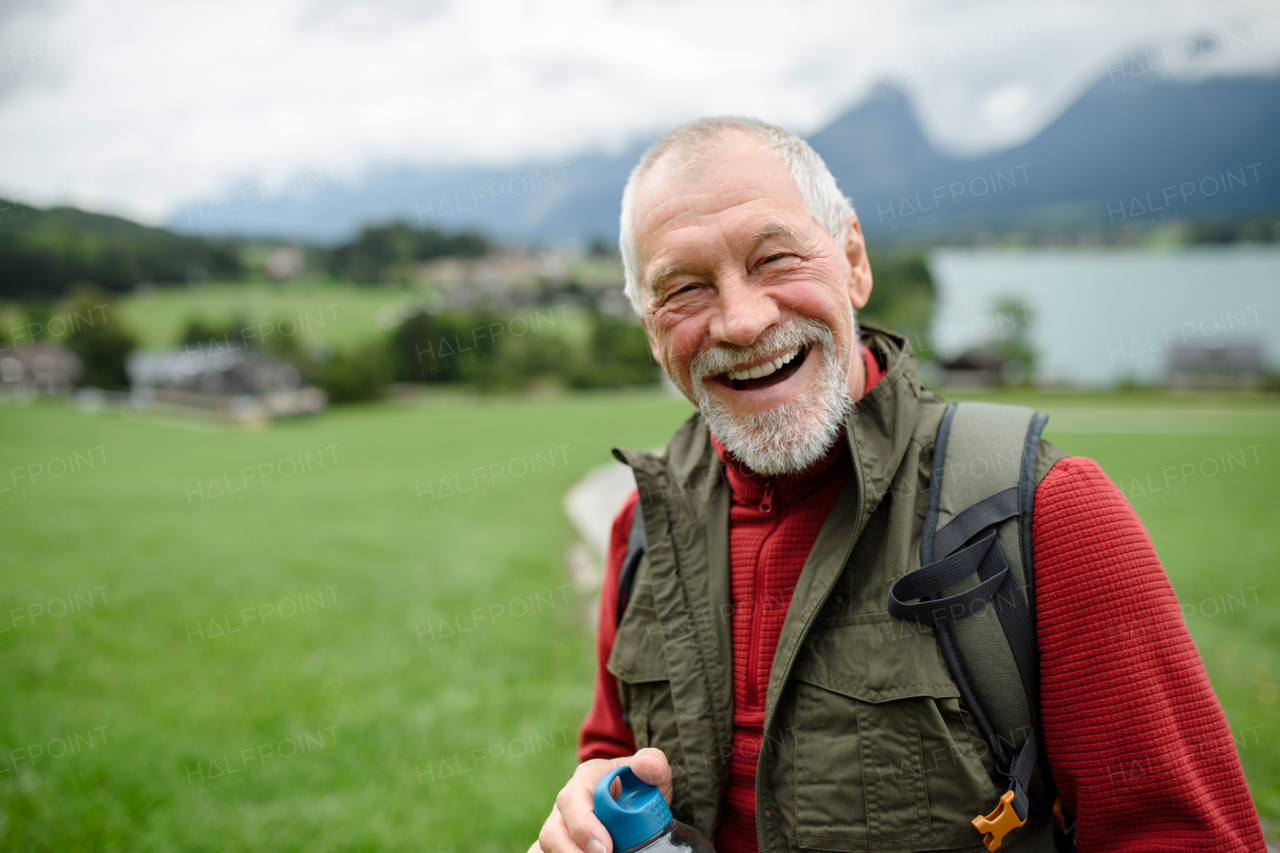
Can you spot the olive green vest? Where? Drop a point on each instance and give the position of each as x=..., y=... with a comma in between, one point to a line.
x=867, y=745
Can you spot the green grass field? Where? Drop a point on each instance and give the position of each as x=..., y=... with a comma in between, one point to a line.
x=306, y=311
x=334, y=312
x=285, y=666
x=338, y=313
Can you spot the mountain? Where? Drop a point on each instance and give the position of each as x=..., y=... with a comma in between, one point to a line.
x=561, y=200
x=44, y=253
x=1120, y=156
x=877, y=149
x=1115, y=157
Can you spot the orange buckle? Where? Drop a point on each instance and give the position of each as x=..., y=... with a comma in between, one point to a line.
x=999, y=823
x=1060, y=818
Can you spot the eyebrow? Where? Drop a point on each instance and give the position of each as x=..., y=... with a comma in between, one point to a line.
x=773, y=229
x=662, y=274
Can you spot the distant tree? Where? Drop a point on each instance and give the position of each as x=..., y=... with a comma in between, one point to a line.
x=384, y=253
x=521, y=361
x=1012, y=341
x=38, y=314
x=618, y=354
x=902, y=298
x=429, y=347
x=207, y=333
x=356, y=375
x=103, y=343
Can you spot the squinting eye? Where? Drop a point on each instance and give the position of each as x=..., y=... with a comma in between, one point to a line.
x=772, y=258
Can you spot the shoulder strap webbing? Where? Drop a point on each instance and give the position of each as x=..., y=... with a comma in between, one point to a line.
x=631, y=562
x=976, y=551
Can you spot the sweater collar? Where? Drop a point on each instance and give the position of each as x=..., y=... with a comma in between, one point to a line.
x=748, y=487
x=881, y=424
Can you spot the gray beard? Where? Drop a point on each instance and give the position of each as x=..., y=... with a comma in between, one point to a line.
x=791, y=437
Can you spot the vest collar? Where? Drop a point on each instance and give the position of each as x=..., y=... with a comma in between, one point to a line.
x=885, y=421
x=882, y=423
x=878, y=429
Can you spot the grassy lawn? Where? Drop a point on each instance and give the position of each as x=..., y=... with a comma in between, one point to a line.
x=334, y=312
x=288, y=666
x=339, y=313
x=396, y=569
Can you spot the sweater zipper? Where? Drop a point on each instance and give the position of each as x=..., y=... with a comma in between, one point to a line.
x=753, y=653
x=791, y=660
x=766, y=502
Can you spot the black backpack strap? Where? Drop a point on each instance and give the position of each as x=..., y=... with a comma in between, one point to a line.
x=975, y=551
x=631, y=562
x=1026, y=502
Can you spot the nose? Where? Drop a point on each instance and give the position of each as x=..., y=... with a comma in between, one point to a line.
x=743, y=313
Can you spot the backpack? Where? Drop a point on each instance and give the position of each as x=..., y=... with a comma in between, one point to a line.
x=975, y=551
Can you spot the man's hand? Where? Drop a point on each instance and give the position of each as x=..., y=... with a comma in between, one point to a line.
x=573, y=826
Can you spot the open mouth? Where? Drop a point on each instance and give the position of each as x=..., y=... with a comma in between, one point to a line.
x=767, y=374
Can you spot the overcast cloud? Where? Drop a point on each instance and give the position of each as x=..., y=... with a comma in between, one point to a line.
x=136, y=105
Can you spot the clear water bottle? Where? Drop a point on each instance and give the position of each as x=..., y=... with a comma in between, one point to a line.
x=640, y=819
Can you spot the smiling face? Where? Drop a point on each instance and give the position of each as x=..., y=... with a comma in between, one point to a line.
x=748, y=303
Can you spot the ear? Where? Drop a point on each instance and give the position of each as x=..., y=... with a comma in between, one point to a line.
x=855, y=249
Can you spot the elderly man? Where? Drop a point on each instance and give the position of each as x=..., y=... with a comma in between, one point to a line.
x=755, y=674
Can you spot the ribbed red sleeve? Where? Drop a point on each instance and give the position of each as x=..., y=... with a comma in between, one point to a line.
x=1137, y=741
x=603, y=733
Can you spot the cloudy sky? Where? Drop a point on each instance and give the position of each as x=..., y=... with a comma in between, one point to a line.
x=134, y=106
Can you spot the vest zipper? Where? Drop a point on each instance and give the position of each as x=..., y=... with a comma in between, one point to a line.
x=761, y=846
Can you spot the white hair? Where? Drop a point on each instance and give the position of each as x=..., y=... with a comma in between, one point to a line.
x=693, y=143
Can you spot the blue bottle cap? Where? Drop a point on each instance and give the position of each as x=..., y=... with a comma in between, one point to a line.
x=639, y=814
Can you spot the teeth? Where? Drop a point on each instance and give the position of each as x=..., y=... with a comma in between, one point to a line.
x=764, y=369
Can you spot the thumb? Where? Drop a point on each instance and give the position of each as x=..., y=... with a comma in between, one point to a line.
x=651, y=766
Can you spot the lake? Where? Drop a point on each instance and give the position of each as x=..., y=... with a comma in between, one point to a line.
x=1100, y=317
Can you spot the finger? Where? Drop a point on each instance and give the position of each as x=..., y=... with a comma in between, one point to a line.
x=555, y=837
x=576, y=805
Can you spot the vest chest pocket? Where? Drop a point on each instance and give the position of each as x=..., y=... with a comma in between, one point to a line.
x=639, y=663
x=885, y=757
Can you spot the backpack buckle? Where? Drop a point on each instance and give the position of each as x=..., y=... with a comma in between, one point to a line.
x=1002, y=820
x=1061, y=819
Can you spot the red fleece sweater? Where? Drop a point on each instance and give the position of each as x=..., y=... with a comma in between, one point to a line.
x=1161, y=776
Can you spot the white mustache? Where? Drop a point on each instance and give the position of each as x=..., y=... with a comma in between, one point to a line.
x=794, y=333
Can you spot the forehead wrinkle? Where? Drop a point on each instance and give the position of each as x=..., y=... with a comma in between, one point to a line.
x=701, y=223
